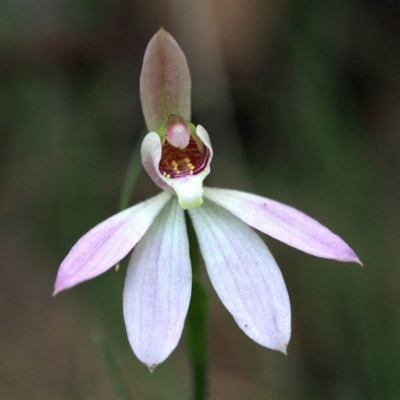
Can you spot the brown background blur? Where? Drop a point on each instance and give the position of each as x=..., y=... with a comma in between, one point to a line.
x=302, y=103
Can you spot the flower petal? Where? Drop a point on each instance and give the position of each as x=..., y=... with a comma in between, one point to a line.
x=283, y=223
x=244, y=274
x=189, y=189
x=107, y=243
x=165, y=83
x=205, y=138
x=158, y=287
x=151, y=157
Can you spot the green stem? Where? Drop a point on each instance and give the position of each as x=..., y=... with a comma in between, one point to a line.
x=131, y=178
x=196, y=322
x=132, y=175
x=120, y=388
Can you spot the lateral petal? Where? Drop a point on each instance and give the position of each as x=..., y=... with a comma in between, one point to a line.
x=283, y=223
x=151, y=156
x=107, y=243
x=158, y=287
x=244, y=275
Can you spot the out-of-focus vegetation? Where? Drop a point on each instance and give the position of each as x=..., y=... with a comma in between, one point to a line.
x=302, y=102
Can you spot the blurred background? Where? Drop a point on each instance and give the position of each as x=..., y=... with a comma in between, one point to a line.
x=302, y=102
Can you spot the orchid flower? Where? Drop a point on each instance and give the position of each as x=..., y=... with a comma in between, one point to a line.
x=177, y=156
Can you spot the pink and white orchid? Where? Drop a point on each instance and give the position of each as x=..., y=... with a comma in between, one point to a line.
x=177, y=156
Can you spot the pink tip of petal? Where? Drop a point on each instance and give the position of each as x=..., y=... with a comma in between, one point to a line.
x=61, y=285
x=108, y=243
x=283, y=223
x=352, y=257
x=56, y=290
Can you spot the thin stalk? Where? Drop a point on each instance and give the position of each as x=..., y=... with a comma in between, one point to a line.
x=197, y=322
x=120, y=388
x=132, y=175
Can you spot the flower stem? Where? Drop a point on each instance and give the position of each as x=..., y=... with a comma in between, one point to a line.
x=121, y=389
x=132, y=175
x=196, y=322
